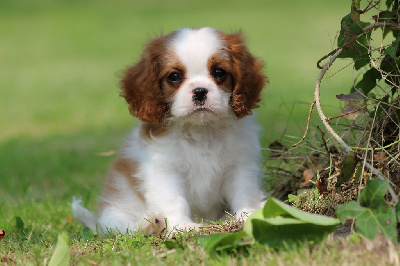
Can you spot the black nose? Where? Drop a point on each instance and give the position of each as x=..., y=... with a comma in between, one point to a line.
x=199, y=96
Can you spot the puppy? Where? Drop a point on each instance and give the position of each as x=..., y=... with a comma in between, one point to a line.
x=195, y=153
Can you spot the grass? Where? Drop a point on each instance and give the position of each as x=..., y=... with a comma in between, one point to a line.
x=60, y=112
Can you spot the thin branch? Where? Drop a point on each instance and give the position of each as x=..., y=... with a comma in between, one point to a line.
x=393, y=26
x=318, y=103
x=347, y=113
x=377, y=149
x=330, y=129
x=323, y=139
x=308, y=125
x=369, y=7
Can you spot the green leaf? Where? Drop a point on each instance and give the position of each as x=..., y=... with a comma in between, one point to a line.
x=372, y=214
x=61, y=255
x=351, y=28
x=386, y=16
x=368, y=81
x=278, y=224
x=248, y=226
x=351, y=209
x=281, y=231
x=348, y=168
x=391, y=51
x=370, y=221
x=392, y=4
x=274, y=207
x=219, y=244
x=372, y=196
x=388, y=3
x=293, y=198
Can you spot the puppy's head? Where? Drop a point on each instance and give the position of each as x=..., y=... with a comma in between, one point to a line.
x=194, y=75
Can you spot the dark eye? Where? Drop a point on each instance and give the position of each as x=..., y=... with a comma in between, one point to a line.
x=174, y=77
x=219, y=73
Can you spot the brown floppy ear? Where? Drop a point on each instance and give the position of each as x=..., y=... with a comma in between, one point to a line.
x=248, y=76
x=141, y=87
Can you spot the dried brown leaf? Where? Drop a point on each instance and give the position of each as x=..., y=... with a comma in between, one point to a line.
x=354, y=106
x=354, y=96
x=2, y=234
x=322, y=185
x=310, y=172
x=380, y=156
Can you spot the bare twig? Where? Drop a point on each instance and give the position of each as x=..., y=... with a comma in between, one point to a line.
x=393, y=26
x=308, y=124
x=323, y=139
x=330, y=129
x=369, y=7
x=377, y=149
x=347, y=113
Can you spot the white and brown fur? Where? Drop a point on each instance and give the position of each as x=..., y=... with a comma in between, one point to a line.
x=192, y=155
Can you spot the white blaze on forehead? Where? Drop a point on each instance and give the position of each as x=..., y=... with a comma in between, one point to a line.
x=194, y=47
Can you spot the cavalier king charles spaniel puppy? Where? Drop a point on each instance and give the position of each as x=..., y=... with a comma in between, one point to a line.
x=195, y=154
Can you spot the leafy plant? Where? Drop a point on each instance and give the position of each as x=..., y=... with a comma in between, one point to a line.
x=373, y=47
x=375, y=64
x=372, y=212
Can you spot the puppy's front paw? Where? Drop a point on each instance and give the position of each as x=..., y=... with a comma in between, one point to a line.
x=153, y=225
x=243, y=214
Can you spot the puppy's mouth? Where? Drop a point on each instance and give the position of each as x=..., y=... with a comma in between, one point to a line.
x=202, y=109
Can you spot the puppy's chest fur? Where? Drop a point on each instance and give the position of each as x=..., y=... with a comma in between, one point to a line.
x=204, y=170
x=201, y=157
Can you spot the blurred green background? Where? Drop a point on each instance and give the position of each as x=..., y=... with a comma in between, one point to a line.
x=59, y=66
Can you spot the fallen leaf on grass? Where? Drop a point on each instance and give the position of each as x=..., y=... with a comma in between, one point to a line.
x=278, y=224
x=61, y=252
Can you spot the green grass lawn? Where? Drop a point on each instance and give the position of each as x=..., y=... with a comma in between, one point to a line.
x=60, y=110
